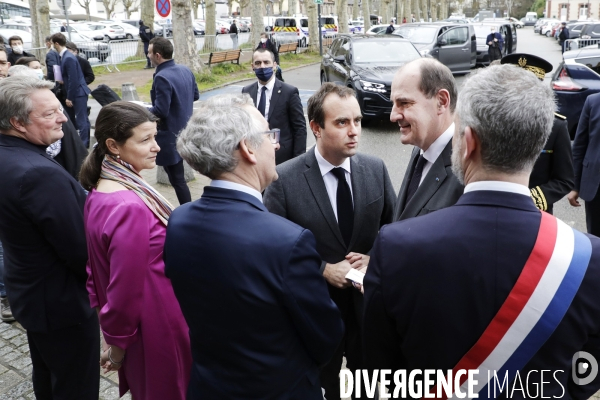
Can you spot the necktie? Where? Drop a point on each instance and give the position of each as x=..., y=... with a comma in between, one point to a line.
x=345, y=210
x=415, y=180
x=262, y=103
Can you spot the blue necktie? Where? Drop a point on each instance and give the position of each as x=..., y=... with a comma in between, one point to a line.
x=263, y=101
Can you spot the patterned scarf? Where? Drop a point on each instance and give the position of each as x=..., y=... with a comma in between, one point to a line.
x=117, y=170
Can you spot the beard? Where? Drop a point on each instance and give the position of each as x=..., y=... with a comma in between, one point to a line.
x=457, y=167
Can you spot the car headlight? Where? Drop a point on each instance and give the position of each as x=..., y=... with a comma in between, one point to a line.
x=373, y=87
x=424, y=52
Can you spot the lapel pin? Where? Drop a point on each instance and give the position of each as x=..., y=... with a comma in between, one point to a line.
x=279, y=91
x=437, y=179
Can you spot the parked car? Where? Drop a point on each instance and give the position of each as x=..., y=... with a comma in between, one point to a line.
x=380, y=29
x=90, y=48
x=454, y=45
x=538, y=24
x=131, y=32
x=356, y=26
x=590, y=31
x=84, y=29
x=367, y=64
x=505, y=28
x=222, y=27
x=26, y=36
x=546, y=28
x=575, y=28
x=518, y=24
x=199, y=29
x=17, y=26
x=577, y=77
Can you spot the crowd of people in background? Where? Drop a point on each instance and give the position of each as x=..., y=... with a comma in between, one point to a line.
x=251, y=291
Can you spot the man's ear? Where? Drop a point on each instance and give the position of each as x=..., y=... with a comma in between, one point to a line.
x=472, y=143
x=247, y=153
x=315, y=128
x=18, y=125
x=443, y=98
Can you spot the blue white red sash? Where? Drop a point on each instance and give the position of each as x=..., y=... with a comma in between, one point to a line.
x=534, y=307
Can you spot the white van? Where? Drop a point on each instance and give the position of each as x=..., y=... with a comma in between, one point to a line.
x=290, y=29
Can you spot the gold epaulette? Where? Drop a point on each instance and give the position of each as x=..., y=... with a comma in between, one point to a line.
x=557, y=115
x=538, y=198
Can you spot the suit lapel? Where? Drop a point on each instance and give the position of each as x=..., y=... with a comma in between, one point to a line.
x=253, y=92
x=359, y=196
x=317, y=187
x=433, y=180
x=400, y=201
x=275, y=98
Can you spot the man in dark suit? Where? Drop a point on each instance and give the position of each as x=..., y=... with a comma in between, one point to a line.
x=586, y=163
x=280, y=104
x=261, y=321
x=86, y=67
x=45, y=254
x=424, y=99
x=75, y=87
x=456, y=267
x=343, y=198
x=52, y=59
x=173, y=93
x=552, y=175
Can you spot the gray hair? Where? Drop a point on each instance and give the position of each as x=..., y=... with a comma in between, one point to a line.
x=512, y=131
x=212, y=135
x=22, y=70
x=15, y=102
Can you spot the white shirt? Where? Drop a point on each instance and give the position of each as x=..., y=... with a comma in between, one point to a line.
x=331, y=182
x=436, y=148
x=268, y=93
x=498, y=186
x=62, y=52
x=236, y=186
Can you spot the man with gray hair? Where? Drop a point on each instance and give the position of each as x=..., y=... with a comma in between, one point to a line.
x=41, y=229
x=248, y=283
x=516, y=290
x=424, y=99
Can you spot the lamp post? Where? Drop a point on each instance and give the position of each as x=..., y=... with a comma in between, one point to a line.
x=428, y=10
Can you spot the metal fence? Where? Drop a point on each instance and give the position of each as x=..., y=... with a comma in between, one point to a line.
x=574, y=44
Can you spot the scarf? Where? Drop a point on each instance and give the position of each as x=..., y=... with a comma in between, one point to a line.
x=117, y=170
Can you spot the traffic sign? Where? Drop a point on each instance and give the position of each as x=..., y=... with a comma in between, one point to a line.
x=64, y=4
x=318, y=1
x=163, y=7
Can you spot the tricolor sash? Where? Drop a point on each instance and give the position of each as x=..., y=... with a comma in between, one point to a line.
x=533, y=309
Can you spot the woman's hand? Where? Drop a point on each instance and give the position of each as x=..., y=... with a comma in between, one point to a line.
x=116, y=354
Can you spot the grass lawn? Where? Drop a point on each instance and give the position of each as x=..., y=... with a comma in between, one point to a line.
x=218, y=74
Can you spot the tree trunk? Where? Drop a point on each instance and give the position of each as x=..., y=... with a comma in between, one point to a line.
x=366, y=14
x=184, y=42
x=385, y=17
x=210, y=42
x=313, y=26
x=258, y=24
x=34, y=25
x=343, y=16
x=43, y=17
x=355, y=10
x=292, y=5
x=229, y=6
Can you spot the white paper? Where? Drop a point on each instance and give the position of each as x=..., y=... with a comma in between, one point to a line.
x=355, y=276
x=57, y=73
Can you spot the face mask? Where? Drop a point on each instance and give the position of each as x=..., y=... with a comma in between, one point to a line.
x=17, y=49
x=264, y=74
x=40, y=74
x=263, y=40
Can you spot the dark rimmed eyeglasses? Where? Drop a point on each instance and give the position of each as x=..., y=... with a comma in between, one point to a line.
x=273, y=135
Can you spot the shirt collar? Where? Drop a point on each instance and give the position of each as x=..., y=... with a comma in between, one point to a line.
x=438, y=146
x=63, y=52
x=269, y=84
x=498, y=186
x=236, y=186
x=325, y=166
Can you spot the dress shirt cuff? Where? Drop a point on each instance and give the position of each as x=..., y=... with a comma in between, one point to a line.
x=323, y=264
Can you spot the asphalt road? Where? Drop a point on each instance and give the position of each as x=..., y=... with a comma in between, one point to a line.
x=382, y=138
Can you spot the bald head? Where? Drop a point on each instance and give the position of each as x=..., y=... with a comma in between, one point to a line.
x=432, y=76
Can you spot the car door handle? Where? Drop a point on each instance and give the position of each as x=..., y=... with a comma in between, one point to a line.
x=466, y=49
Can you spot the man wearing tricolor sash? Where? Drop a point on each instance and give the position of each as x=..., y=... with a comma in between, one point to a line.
x=495, y=297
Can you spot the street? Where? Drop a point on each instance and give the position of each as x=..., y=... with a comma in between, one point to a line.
x=381, y=139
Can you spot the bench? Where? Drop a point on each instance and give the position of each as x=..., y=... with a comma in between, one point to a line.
x=288, y=47
x=222, y=56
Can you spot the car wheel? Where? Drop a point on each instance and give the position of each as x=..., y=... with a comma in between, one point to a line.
x=548, y=34
x=323, y=77
x=106, y=38
x=129, y=36
x=303, y=42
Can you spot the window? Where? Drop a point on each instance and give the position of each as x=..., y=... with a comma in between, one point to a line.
x=456, y=36
x=343, y=49
x=590, y=62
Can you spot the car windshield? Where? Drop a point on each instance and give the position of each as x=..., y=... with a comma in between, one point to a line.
x=392, y=51
x=418, y=35
x=82, y=27
x=483, y=31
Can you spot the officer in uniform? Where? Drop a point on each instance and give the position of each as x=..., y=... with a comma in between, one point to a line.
x=552, y=177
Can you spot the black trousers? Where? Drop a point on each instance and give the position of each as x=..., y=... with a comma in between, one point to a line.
x=177, y=178
x=66, y=362
x=146, y=45
x=592, y=215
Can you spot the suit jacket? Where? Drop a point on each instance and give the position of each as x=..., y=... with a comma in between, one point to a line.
x=52, y=59
x=285, y=113
x=454, y=269
x=586, y=149
x=439, y=189
x=41, y=230
x=86, y=69
x=14, y=57
x=173, y=93
x=72, y=151
x=249, y=287
x=300, y=196
x=73, y=79
x=552, y=175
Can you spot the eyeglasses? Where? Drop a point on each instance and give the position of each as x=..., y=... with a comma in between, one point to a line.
x=273, y=135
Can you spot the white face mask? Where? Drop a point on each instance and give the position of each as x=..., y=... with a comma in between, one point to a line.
x=18, y=49
x=40, y=74
x=263, y=40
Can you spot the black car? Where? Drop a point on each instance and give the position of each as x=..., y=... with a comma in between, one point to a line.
x=367, y=64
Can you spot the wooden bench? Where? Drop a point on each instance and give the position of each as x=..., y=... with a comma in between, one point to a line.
x=222, y=56
x=288, y=47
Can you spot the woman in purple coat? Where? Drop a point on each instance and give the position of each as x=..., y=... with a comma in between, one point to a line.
x=146, y=336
